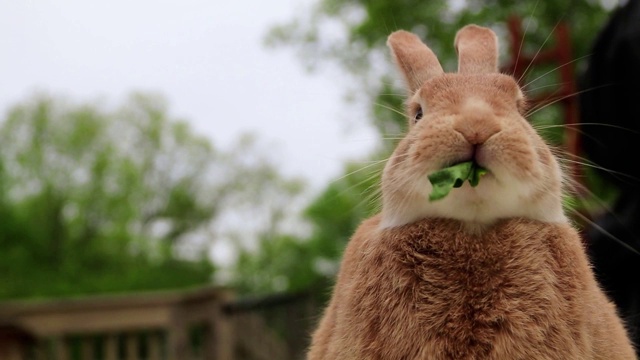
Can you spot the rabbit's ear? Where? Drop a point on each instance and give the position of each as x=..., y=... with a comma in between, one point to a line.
x=477, y=49
x=413, y=58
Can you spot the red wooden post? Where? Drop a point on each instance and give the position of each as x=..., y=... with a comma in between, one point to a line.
x=566, y=94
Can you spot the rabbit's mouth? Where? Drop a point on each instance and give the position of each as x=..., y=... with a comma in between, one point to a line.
x=475, y=153
x=444, y=180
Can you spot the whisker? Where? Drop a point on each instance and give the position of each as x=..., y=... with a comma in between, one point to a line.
x=352, y=186
x=542, y=130
x=390, y=108
x=576, y=127
x=359, y=169
x=392, y=95
x=525, y=32
x=542, y=106
x=608, y=234
x=538, y=52
x=590, y=124
x=532, y=90
x=595, y=166
x=556, y=68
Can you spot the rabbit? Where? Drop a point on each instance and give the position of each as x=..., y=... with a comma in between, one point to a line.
x=495, y=271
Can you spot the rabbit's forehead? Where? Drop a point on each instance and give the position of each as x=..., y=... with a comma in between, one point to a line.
x=460, y=86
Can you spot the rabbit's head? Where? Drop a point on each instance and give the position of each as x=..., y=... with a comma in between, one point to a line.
x=476, y=114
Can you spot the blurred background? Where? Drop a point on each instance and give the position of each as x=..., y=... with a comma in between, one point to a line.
x=209, y=160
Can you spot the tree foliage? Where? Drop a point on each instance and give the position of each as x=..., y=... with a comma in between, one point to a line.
x=353, y=33
x=94, y=199
x=287, y=262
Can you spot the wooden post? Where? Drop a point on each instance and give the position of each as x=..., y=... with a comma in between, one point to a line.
x=132, y=348
x=154, y=346
x=178, y=337
x=40, y=351
x=15, y=343
x=11, y=351
x=566, y=69
x=111, y=347
x=86, y=348
x=515, y=68
x=566, y=94
x=60, y=348
x=219, y=343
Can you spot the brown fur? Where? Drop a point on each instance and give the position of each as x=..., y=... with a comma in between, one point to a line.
x=473, y=276
x=476, y=47
x=429, y=290
x=418, y=63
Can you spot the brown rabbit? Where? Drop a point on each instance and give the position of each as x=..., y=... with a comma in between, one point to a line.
x=489, y=272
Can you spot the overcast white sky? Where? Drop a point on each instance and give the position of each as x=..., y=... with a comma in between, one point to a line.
x=205, y=56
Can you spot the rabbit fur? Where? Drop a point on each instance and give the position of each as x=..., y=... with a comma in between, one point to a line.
x=495, y=271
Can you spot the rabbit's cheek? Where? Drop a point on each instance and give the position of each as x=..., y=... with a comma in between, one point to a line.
x=510, y=154
x=433, y=151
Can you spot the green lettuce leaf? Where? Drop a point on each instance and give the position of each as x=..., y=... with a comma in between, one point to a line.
x=453, y=177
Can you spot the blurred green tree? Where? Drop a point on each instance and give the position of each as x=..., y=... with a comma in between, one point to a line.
x=100, y=200
x=352, y=35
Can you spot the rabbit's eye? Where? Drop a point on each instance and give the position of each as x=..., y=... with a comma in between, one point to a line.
x=418, y=115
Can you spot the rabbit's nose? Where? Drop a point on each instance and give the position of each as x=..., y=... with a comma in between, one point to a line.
x=476, y=122
x=476, y=131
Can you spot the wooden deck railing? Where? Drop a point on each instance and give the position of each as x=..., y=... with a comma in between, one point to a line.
x=199, y=324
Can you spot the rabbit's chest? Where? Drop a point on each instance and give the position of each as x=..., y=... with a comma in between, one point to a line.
x=459, y=303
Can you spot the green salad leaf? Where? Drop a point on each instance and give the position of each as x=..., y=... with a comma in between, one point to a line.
x=453, y=177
